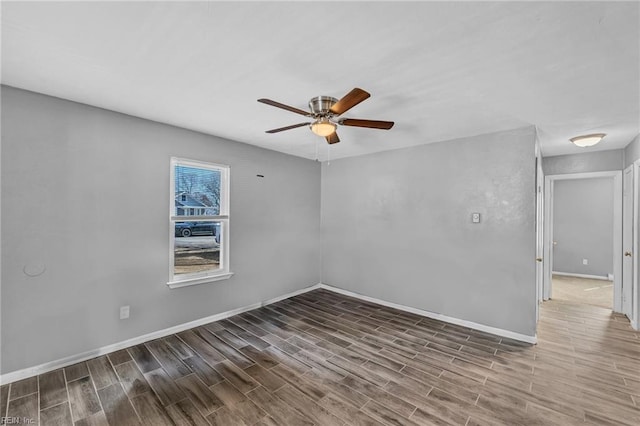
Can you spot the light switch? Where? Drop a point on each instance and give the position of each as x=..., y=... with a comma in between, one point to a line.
x=475, y=217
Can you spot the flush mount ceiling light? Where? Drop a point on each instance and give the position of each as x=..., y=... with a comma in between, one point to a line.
x=323, y=127
x=587, y=140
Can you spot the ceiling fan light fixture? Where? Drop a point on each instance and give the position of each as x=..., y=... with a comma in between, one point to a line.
x=325, y=110
x=587, y=140
x=323, y=127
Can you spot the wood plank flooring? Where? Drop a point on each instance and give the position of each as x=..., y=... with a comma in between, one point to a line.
x=326, y=359
x=582, y=290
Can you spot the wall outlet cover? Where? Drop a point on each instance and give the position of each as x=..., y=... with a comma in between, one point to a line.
x=124, y=312
x=475, y=217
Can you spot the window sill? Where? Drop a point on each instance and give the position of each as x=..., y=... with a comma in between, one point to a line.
x=199, y=280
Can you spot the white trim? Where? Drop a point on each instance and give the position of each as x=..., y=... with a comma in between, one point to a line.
x=617, y=230
x=199, y=280
x=635, y=319
x=571, y=274
x=73, y=359
x=627, y=309
x=617, y=241
x=585, y=175
x=198, y=163
x=198, y=218
x=223, y=218
x=452, y=320
x=547, y=248
x=539, y=227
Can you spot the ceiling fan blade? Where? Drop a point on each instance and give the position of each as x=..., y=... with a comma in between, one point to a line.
x=349, y=100
x=332, y=138
x=282, y=129
x=283, y=106
x=372, y=124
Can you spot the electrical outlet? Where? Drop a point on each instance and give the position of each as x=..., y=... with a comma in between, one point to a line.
x=124, y=312
x=585, y=261
x=475, y=217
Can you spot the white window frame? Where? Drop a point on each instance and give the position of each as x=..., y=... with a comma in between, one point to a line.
x=223, y=272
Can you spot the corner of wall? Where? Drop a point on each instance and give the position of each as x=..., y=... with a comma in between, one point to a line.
x=631, y=152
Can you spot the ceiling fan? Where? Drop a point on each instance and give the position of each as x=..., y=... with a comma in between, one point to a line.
x=325, y=110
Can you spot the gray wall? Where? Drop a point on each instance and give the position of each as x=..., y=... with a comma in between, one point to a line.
x=86, y=193
x=583, y=226
x=397, y=226
x=598, y=161
x=632, y=152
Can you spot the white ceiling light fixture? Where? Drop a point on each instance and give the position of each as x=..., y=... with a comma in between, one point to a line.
x=588, y=140
x=323, y=127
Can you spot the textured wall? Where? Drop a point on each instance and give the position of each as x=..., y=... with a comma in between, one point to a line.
x=85, y=192
x=397, y=226
x=583, y=226
x=598, y=161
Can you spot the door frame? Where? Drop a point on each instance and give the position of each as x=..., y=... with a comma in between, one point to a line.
x=632, y=168
x=635, y=320
x=549, y=181
x=539, y=229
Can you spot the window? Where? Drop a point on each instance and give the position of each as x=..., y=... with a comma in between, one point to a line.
x=199, y=223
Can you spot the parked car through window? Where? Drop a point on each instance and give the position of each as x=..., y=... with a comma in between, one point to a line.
x=188, y=229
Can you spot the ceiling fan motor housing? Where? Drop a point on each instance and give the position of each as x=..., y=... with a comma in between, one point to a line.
x=320, y=105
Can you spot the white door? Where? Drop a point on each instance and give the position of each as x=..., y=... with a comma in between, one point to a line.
x=627, y=242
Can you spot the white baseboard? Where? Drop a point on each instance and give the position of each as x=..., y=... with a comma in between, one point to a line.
x=571, y=274
x=464, y=323
x=73, y=359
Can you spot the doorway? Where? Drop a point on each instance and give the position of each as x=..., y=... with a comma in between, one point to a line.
x=585, y=291
x=574, y=273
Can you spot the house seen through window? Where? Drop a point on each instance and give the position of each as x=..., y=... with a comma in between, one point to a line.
x=199, y=220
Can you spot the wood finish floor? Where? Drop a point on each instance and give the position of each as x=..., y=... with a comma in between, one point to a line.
x=325, y=359
x=582, y=290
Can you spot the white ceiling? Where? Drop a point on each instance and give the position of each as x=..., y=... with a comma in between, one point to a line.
x=439, y=70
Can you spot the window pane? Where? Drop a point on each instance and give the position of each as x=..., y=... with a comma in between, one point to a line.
x=197, y=191
x=196, y=247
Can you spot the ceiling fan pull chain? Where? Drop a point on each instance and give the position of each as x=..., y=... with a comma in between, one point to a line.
x=328, y=155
